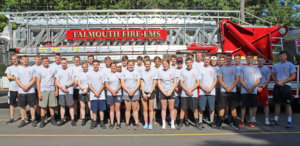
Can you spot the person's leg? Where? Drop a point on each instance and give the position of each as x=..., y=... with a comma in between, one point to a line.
x=135, y=108
x=127, y=111
x=243, y=112
x=82, y=110
x=151, y=111
x=288, y=111
x=62, y=112
x=163, y=112
x=171, y=108
x=32, y=112
x=23, y=112
x=202, y=105
x=118, y=113
x=11, y=111
x=277, y=111
x=112, y=113
x=145, y=111
x=71, y=112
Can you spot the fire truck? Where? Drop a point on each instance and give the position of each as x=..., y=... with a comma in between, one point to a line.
x=140, y=32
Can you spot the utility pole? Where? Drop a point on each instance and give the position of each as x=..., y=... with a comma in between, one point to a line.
x=242, y=10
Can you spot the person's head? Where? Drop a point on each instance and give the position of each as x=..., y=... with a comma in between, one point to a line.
x=130, y=65
x=57, y=58
x=147, y=64
x=179, y=62
x=113, y=67
x=261, y=60
x=228, y=59
x=85, y=66
x=221, y=60
x=64, y=63
x=76, y=60
x=37, y=60
x=283, y=56
x=173, y=59
x=107, y=61
x=96, y=64
x=119, y=67
x=166, y=64
x=124, y=60
x=146, y=58
x=90, y=59
x=157, y=61
x=25, y=60
x=45, y=61
x=214, y=60
x=199, y=56
x=139, y=60
x=249, y=58
x=237, y=59
x=190, y=55
x=206, y=60
x=14, y=59
x=189, y=63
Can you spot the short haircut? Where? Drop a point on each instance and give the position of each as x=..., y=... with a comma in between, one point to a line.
x=139, y=58
x=84, y=63
x=44, y=57
x=91, y=56
x=237, y=55
x=25, y=56
x=207, y=55
x=64, y=59
x=190, y=54
x=250, y=54
x=37, y=56
x=14, y=55
x=199, y=53
x=173, y=56
x=146, y=57
x=222, y=56
x=57, y=54
x=157, y=57
x=147, y=60
x=261, y=57
x=76, y=57
x=96, y=61
x=228, y=55
x=130, y=61
x=124, y=58
x=188, y=59
x=166, y=60
x=114, y=62
x=282, y=52
x=107, y=58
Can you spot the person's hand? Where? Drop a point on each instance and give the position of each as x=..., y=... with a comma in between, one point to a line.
x=85, y=91
x=190, y=93
x=97, y=95
x=40, y=96
x=148, y=95
x=56, y=93
x=279, y=83
x=259, y=89
x=113, y=92
x=249, y=90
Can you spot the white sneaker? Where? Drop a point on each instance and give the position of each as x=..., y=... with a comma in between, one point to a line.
x=267, y=122
x=172, y=126
x=253, y=120
x=163, y=126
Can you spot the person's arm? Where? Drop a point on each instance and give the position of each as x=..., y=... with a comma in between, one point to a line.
x=196, y=85
x=59, y=86
x=265, y=84
x=124, y=86
x=181, y=82
x=173, y=87
x=153, y=86
x=255, y=84
x=71, y=82
x=142, y=86
x=213, y=85
x=31, y=83
x=93, y=90
x=38, y=87
x=291, y=78
x=10, y=77
x=137, y=86
x=101, y=89
x=237, y=78
x=222, y=83
x=243, y=83
x=20, y=84
x=108, y=87
x=161, y=88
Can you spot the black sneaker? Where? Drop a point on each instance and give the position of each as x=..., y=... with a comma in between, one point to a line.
x=235, y=123
x=73, y=122
x=33, y=123
x=11, y=120
x=219, y=124
x=93, y=124
x=213, y=125
x=42, y=125
x=53, y=122
x=187, y=123
x=197, y=125
x=102, y=125
x=136, y=126
x=127, y=126
x=83, y=122
x=118, y=126
x=61, y=122
x=274, y=123
x=22, y=124
x=111, y=126
x=201, y=126
x=180, y=125
x=289, y=125
x=226, y=121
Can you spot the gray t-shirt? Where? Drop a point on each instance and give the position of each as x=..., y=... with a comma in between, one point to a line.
x=113, y=80
x=140, y=69
x=283, y=71
x=82, y=77
x=46, y=76
x=56, y=66
x=239, y=68
x=64, y=77
x=77, y=70
x=265, y=73
x=167, y=79
x=12, y=70
x=36, y=69
x=177, y=75
x=148, y=77
x=189, y=77
x=130, y=79
x=207, y=76
x=96, y=80
x=105, y=69
x=228, y=74
x=26, y=75
x=198, y=65
x=250, y=74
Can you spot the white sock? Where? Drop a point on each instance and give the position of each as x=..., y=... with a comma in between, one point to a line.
x=276, y=118
x=200, y=119
x=226, y=116
x=211, y=118
x=289, y=119
x=266, y=119
x=164, y=122
x=172, y=122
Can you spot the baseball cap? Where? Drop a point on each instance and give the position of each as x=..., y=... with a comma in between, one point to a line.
x=213, y=58
x=179, y=60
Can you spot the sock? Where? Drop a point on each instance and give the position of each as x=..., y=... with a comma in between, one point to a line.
x=181, y=121
x=266, y=119
x=226, y=116
x=211, y=118
x=172, y=122
x=289, y=119
x=164, y=122
x=200, y=119
x=62, y=119
x=276, y=118
x=150, y=122
x=146, y=121
x=56, y=112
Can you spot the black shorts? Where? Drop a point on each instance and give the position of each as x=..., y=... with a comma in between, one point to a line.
x=75, y=94
x=218, y=95
x=152, y=96
x=163, y=97
x=229, y=98
x=249, y=100
x=189, y=103
x=27, y=99
x=84, y=97
x=282, y=94
x=13, y=95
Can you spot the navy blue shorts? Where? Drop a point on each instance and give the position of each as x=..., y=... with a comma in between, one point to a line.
x=114, y=99
x=98, y=105
x=204, y=99
x=177, y=101
x=249, y=100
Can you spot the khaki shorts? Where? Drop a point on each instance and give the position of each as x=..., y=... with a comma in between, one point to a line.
x=49, y=99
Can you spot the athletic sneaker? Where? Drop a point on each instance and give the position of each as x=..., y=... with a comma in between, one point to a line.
x=93, y=124
x=111, y=126
x=173, y=126
x=118, y=126
x=274, y=123
x=136, y=126
x=242, y=124
x=145, y=126
x=186, y=123
x=219, y=123
x=289, y=125
x=127, y=126
x=83, y=122
x=180, y=125
x=73, y=123
x=42, y=125
x=11, y=120
x=33, y=123
x=163, y=126
x=213, y=125
x=235, y=123
x=22, y=124
x=253, y=120
x=226, y=121
x=102, y=125
x=250, y=124
x=61, y=122
x=267, y=122
x=201, y=126
x=53, y=122
x=150, y=127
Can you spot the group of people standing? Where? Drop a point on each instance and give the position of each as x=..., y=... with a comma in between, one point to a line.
x=174, y=87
